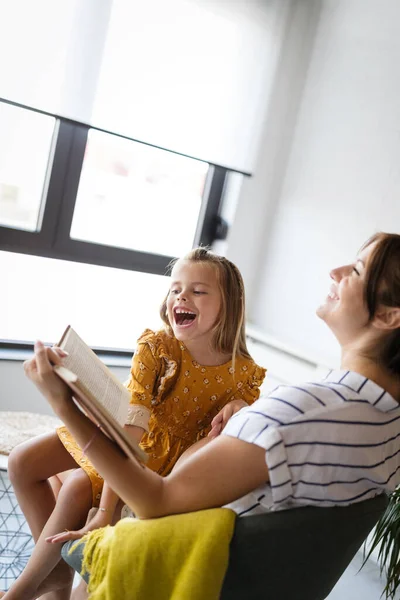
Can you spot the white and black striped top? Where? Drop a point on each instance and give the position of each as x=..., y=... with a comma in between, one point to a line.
x=328, y=443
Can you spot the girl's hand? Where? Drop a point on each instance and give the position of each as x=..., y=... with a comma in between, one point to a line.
x=39, y=369
x=221, y=419
x=101, y=519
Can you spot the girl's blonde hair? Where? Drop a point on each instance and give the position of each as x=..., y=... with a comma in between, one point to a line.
x=229, y=330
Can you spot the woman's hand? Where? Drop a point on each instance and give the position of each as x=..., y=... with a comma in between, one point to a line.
x=101, y=519
x=221, y=419
x=39, y=369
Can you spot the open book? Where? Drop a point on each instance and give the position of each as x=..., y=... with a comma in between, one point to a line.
x=97, y=391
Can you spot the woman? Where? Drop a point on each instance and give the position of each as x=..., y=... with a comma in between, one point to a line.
x=331, y=442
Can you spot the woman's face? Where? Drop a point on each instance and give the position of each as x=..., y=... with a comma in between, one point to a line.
x=344, y=309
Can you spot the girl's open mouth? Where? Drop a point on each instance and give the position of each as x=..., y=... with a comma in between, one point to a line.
x=184, y=317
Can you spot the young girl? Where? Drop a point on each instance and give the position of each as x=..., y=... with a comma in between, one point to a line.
x=190, y=376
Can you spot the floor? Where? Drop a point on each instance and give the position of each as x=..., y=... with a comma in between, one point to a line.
x=359, y=585
x=354, y=584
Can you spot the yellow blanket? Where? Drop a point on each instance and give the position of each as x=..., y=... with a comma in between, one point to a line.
x=180, y=557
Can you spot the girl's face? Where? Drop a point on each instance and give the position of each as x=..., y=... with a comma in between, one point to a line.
x=344, y=309
x=194, y=302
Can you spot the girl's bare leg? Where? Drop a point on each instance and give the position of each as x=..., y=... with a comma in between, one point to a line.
x=80, y=592
x=57, y=480
x=65, y=593
x=30, y=467
x=73, y=504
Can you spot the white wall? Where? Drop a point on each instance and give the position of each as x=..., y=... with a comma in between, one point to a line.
x=250, y=202
x=339, y=182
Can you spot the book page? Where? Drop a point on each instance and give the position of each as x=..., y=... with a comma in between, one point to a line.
x=95, y=411
x=95, y=376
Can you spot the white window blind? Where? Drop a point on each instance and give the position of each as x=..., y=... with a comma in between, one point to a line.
x=191, y=75
x=34, y=44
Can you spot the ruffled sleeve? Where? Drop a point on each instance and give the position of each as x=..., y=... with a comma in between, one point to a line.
x=249, y=391
x=143, y=379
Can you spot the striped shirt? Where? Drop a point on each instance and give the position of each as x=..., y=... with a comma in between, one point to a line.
x=333, y=442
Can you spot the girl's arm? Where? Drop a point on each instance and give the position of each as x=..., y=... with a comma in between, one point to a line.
x=245, y=395
x=107, y=507
x=220, y=420
x=219, y=473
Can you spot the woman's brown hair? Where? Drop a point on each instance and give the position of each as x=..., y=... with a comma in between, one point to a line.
x=229, y=330
x=383, y=289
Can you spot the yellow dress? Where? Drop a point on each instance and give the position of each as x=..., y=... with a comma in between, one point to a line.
x=174, y=398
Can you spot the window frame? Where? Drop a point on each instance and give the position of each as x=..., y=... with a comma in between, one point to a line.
x=20, y=351
x=58, y=202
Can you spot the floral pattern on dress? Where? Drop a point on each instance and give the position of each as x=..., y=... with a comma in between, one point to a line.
x=181, y=397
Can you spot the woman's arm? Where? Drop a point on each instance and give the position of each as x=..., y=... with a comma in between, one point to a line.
x=106, y=514
x=109, y=499
x=221, y=472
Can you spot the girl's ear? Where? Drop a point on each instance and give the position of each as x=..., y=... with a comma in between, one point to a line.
x=387, y=317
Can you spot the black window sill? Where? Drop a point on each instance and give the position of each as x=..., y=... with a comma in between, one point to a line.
x=21, y=351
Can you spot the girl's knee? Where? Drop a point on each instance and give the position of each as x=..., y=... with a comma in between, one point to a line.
x=77, y=486
x=37, y=459
x=18, y=463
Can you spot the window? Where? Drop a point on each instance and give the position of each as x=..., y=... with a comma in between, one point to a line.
x=76, y=185
x=71, y=194
x=25, y=144
x=137, y=197
x=78, y=192
x=107, y=307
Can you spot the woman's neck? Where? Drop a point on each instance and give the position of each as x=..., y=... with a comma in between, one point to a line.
x=352, y=361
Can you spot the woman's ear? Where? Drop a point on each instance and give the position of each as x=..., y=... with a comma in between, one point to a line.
x=387, y=317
